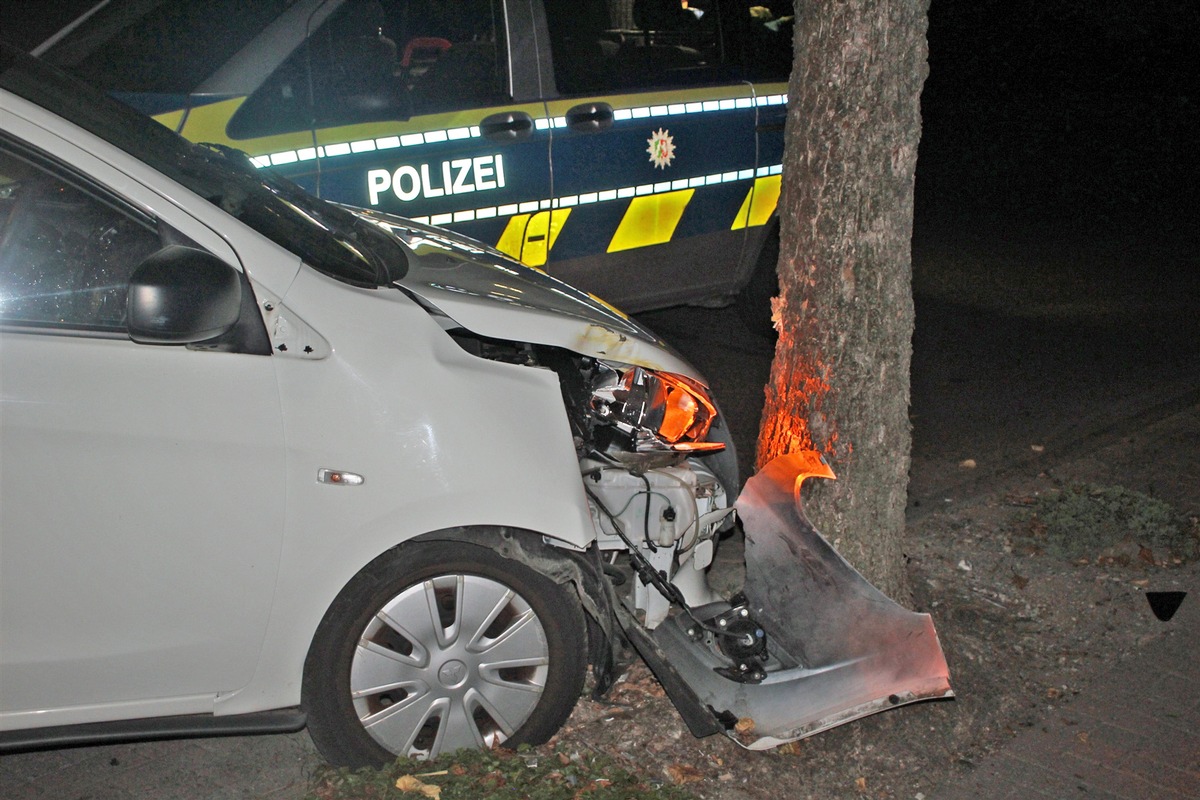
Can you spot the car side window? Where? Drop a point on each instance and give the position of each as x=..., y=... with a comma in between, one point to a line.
x=374, y=60
x=605, y=46
x=66, y=251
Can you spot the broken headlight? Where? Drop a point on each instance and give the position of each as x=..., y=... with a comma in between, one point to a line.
x=648, y=411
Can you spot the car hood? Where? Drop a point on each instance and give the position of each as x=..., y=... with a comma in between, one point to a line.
x=490, y=294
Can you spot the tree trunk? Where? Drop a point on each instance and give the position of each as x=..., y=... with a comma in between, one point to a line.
x=840, y=379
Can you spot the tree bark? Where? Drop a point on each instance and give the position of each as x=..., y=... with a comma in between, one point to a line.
x=840, y=378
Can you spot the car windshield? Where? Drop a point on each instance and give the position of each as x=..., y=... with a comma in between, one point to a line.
x=328, y=238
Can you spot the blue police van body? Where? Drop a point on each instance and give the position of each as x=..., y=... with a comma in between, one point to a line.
x=631, y=147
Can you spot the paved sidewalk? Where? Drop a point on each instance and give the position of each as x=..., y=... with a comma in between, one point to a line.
x=1132, y=734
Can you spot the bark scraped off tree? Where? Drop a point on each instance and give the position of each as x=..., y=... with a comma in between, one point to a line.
x=840, y=378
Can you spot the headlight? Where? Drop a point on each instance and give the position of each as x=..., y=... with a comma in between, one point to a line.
x=656, y=411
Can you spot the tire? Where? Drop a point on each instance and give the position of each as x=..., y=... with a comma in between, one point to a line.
x=754, y=301
x=438, y=646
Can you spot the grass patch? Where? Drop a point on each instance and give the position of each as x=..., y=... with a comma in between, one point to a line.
x=525, y=774
x=1084, y=520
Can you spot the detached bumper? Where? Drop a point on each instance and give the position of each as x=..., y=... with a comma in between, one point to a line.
x=839, y=649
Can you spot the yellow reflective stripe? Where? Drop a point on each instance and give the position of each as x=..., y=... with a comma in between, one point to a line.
x=759, y=204
x=170, y=119
x=650, y=220
x=530, y=237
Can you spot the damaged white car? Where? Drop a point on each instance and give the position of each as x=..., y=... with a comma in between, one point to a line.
x=269, y=462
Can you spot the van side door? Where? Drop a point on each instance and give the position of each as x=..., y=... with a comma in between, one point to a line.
x=415, y=107
x=654, y=151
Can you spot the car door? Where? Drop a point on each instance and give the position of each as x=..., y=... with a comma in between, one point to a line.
x=654, y=151
x=141, y=503
x=414, y=107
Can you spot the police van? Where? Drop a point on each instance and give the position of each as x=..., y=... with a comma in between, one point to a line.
x=630, y=147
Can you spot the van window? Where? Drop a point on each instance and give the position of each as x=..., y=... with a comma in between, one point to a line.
x=384, y=59
x=161, y=46
x=604, y=46
x=66, y=252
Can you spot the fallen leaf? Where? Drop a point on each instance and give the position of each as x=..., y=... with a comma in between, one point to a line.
x=409, y=783
x=684, y=773
x=1082, y=736
x=744, y=725
x=1053, y=693
x=967, y=463
x=1146, y=554
x=860, y=784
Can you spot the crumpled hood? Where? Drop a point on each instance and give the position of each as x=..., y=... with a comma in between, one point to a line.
x=490, y=294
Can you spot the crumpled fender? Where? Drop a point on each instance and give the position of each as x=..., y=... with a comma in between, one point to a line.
x=841, y=648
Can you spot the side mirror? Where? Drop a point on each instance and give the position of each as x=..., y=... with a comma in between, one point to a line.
x=181, y=295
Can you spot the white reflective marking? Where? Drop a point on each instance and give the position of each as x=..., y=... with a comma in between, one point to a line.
x=363, y=146
x=694, y=108
x=640, y=113
x=726, y=105
x=411, y=139
x=341, y=149
x=261, y=161
x=658, y=111
x=677, y=108
x=387, y=142
x=560, y=122
x=474, y=131
x=712, y=105
x=307, y=154
x=287, y=157
x=541, y=124
x=455, y=134
x=433, y=137
x=622, y=114
x=743, y=102
x=625, y=192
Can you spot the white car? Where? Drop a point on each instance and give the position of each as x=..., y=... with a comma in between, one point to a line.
x=268, y=462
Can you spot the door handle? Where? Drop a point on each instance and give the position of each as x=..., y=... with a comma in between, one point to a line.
x=588, y=117
x=506, y=126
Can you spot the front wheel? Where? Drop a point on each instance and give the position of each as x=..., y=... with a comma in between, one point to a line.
x=439, y=646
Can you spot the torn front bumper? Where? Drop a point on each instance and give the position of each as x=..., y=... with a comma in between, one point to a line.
x=837, y=648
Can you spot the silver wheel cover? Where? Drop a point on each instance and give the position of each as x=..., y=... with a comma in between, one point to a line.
x=454, y=661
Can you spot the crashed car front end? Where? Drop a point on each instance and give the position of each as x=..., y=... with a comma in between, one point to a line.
x=807, y=643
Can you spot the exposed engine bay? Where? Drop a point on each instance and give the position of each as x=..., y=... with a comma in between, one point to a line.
x=805, y=645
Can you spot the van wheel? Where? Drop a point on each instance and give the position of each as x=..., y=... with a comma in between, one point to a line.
x=754, y=300
x=439, y=646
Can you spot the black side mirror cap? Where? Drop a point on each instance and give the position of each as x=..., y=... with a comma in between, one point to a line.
x=181, y=295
